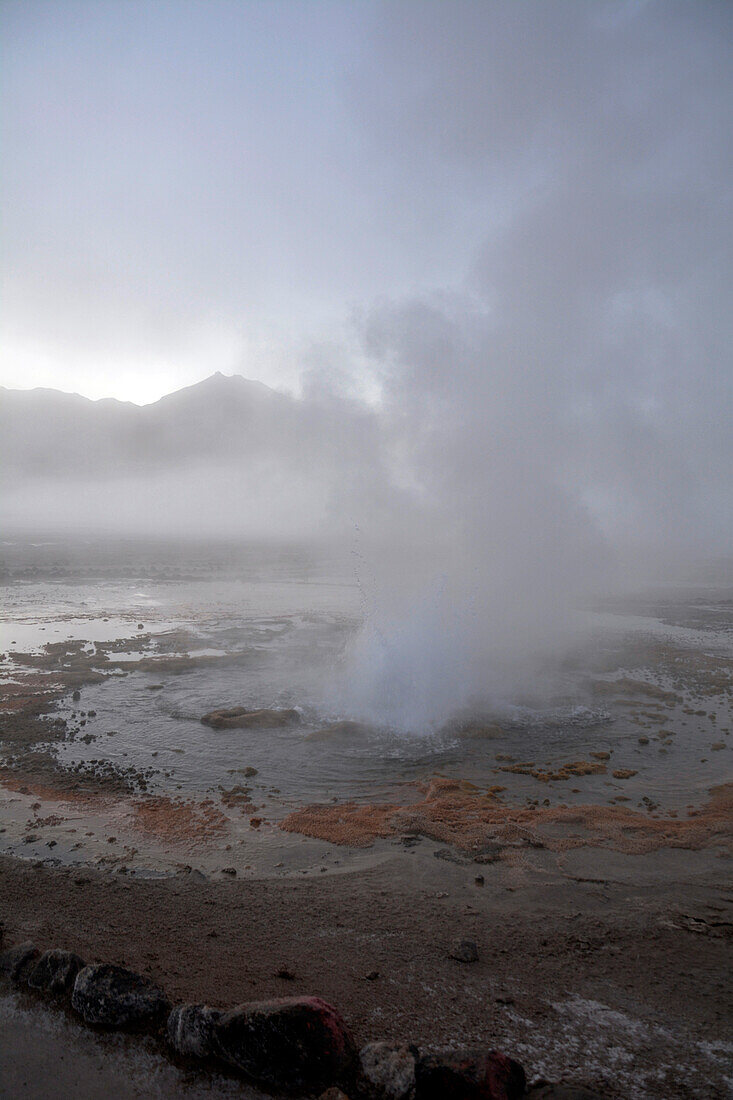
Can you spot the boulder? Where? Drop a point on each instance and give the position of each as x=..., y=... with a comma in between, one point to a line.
x=190, y=1030
x=15, y=962
x=292, y=1043
x=111, y=996
x=240, y=718
x=55, y=971
x=389, y=1069
x=464, y=951
x=469, y=1075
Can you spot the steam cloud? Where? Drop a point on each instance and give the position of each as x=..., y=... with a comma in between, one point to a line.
x=554, y=420
x=564, y=418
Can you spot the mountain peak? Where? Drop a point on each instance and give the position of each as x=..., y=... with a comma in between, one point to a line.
x=219, y=386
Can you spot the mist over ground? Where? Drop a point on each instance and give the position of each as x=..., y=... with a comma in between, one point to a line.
x=541, y=417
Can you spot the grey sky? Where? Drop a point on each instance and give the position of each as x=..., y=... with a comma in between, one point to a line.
x=191, y=186
x=200, y=185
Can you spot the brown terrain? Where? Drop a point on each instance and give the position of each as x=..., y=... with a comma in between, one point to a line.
x=603, y=934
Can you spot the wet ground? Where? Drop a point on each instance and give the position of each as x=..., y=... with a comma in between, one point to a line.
x=583, y=836
x=49, y=1056
x=110, y=658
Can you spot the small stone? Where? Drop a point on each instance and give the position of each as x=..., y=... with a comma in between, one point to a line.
x=372, y=975
x=15, y=961
x=76, y=696
x=643, y=740
x=55, y=971
x=333, y=1094
x=464, y=951
x=479, y=880
x=229, y=870
x=112, y=996
x=250, y=771
x=718, y=746
x=390, y=1070
x=624, y=773
x=190, y=1030
x=601, y=755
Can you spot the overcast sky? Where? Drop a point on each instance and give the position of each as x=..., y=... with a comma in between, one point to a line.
x=194, y=186
x=201, y=185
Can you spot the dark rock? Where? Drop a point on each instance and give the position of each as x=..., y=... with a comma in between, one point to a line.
x=55, y=971
x=190, y=1030
x=390, y=1070
x=112, y=996
x=469, y=1075
x=76, y=696
x=464, y=951
x=15, y=962
x=293, y=1043
x=240, y=718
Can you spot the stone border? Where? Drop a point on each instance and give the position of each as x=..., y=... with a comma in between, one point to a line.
x=289, y=1045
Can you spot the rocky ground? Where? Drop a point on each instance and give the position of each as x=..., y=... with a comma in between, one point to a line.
x=614, y=973
x=591, y=943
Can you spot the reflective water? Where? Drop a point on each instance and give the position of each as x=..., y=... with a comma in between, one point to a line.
x=269, y=628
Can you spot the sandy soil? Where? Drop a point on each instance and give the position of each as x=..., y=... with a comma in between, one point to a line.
x=606, y=970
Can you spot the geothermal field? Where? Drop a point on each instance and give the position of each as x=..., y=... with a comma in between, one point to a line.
x=366, y=550
x=188, y=786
